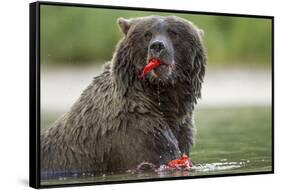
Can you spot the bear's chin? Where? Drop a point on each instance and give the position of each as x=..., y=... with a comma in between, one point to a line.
x=156, y=78
x=163, y=74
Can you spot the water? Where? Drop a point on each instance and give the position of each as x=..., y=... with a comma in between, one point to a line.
x=158, y=96
x=229, y=141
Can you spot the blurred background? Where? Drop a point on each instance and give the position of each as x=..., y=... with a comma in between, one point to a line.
x=78, y=36
x=234, y=114
x=75, y=42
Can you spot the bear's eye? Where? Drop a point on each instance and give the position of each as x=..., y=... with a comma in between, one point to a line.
x=172, y=33
x=147, y=35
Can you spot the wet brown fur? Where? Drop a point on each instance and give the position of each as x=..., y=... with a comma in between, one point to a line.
x=117, y=123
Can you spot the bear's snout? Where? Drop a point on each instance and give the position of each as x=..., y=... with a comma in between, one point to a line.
x=156, y=47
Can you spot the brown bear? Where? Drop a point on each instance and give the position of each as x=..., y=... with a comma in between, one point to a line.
x=121, y=120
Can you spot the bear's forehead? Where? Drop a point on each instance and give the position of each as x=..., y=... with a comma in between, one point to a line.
x=155, y=23
x=160, y=22
x=156, y=20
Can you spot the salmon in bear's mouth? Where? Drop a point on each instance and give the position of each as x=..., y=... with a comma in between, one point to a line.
x=152, y=64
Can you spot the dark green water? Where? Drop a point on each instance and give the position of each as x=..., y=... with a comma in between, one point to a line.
x=228, y=141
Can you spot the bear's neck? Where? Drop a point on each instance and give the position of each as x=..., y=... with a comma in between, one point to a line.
x=173, y=100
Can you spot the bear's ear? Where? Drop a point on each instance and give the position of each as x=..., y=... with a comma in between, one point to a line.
x=124, y=24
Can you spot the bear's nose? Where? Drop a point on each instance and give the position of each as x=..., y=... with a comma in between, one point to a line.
x=157, y=46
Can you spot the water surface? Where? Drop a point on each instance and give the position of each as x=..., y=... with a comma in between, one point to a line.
x=228, y=141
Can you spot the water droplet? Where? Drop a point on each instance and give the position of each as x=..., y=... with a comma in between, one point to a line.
x=158, y=97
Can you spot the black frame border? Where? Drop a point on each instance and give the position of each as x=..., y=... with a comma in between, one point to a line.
x=34, y=92
x=34, y=95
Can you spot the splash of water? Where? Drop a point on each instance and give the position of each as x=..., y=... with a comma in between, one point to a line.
x=217, y=166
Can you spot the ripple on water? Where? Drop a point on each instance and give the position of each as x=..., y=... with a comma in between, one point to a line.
x=217, y=166
x=197, y=169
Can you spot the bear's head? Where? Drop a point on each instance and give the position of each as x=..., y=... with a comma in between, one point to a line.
x=174, y=41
